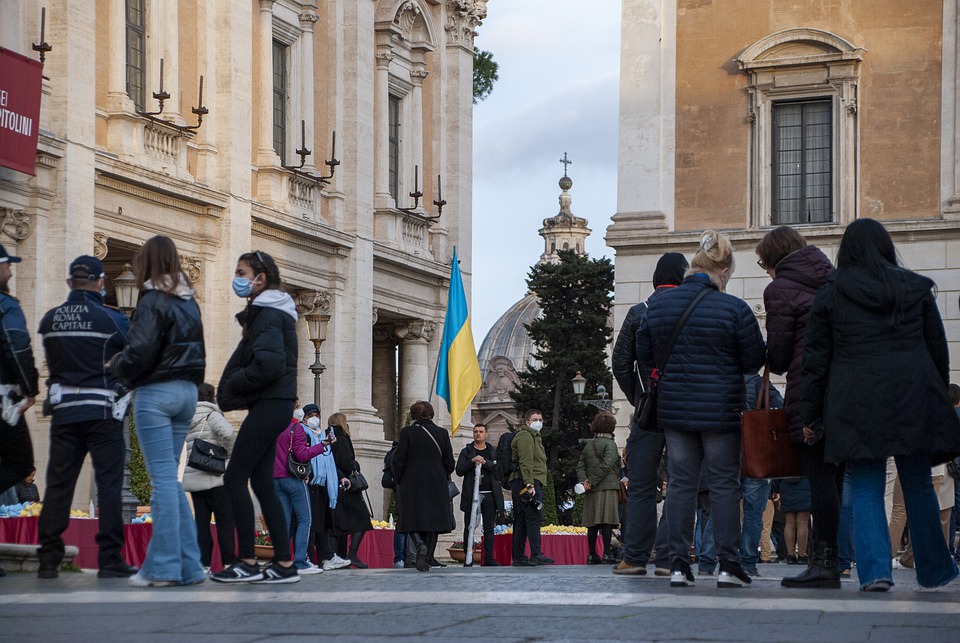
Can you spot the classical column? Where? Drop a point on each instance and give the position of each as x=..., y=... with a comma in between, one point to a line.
x=169, y=29
x=381, y=119
x=306, y=82
x=417, y=75
x=415, y=336
x=117, y=99
x=384, y=378
x=265, y=154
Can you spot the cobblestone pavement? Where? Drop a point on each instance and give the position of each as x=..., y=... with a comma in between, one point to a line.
x=480, y=604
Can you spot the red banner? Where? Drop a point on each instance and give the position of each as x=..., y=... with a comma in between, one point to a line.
x=20, y=86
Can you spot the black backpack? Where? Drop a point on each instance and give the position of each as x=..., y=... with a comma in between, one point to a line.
x=505, y=458
x=386, y=480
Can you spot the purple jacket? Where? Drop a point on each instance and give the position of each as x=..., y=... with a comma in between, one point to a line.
x=301, y=450
x=787, y=300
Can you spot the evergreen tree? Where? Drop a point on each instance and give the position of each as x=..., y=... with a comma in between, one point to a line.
x=485, y=74
x=572, y=334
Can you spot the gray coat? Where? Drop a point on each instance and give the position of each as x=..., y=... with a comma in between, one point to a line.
x=216, y=429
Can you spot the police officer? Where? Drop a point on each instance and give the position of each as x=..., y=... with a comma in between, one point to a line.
x=79, y=337
x=18, y=384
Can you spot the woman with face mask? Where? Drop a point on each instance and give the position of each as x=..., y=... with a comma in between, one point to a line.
x=292, y=492
x=261, y=376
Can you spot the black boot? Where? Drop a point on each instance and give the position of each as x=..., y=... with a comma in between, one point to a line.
x=823, y=571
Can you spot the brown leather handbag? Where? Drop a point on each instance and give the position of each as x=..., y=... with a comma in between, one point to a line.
x=767, y=450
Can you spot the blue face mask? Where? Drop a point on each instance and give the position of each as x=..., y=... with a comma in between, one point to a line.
x=242, y=286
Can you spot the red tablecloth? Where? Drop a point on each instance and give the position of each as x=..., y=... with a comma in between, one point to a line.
x=376, y=549
x=566, y=550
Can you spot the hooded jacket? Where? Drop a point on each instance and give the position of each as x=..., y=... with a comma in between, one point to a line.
x=878, y=380
x=264, y=365
x=787, y=300
x=165, y=342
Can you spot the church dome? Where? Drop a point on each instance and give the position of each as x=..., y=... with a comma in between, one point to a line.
x=508, y=337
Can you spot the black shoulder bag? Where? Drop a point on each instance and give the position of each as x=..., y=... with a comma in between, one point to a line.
x=646, y=411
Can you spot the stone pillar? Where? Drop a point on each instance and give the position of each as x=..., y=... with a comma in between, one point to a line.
x=415, y=132
x=381, y=137
x=169, y=30
x=950, y=123
x=415, y=337
x=384, y=378
x=306, y=82
x=117, y=99
x=264, y=52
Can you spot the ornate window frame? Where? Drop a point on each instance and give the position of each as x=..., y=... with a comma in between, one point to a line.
x=794, y=65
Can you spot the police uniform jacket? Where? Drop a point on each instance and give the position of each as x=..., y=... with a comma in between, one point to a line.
x=79, y=337
x=16, y=356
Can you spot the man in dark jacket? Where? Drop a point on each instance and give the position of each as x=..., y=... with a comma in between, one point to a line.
x=78, y=337
x=644, y=449
x=18, y=382
x=491, y=496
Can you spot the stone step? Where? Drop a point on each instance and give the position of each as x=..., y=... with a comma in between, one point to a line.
x=23, y=558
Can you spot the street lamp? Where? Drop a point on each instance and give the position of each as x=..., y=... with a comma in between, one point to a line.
x=127, y=291
x=317, y=332
x=580, y=384
x=127, y=295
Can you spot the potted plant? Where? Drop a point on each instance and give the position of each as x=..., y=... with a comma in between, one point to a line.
x=262, y=545
x=457, y=553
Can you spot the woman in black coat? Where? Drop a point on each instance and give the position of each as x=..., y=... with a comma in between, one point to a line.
x=798, y=271
x=422, y=467
x=876, y=370
x=350, y=516
x=261, y=376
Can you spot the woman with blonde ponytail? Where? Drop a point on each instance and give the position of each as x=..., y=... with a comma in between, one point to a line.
x=701, y=394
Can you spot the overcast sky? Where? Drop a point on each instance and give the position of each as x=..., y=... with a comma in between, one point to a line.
x=558, y=92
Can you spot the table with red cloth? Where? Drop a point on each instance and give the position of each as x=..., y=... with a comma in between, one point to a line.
x=564, y=549
x=376, y=549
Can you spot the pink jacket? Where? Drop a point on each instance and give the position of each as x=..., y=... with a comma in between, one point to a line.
x=301, y=450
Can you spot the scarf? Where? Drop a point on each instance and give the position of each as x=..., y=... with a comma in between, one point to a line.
x=324, y=468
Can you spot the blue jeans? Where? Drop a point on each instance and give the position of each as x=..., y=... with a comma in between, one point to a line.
x=934, y=565
x=644, y=450
x=704, y=543
x=162, y=413
x=755, y=494
x=719, y=455
x=845, y=548
x=293, y=496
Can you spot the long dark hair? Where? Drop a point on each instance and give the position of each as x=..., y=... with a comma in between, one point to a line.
x=261, y=262
x=867, y=246
x=159, y=263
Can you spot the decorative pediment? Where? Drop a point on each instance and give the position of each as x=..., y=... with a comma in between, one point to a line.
x=800, y=46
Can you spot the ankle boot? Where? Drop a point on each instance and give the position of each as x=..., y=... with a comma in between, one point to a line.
x=823, y=571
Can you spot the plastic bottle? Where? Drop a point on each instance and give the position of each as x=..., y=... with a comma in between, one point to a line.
x=93, y=508
x=390, y=522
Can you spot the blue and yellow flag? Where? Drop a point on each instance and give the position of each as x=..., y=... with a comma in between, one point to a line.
x=458, y=373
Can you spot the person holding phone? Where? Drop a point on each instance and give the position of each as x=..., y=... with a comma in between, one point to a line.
x=351, y=519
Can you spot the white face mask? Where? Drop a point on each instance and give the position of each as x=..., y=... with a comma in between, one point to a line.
x=536, y=426
x=314, y=422
x=298, y=414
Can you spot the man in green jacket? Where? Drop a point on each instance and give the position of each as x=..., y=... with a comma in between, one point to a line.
x=526, y=485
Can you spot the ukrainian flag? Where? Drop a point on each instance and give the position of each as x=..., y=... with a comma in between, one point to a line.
x=458, y=373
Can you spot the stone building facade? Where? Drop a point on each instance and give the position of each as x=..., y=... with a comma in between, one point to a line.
x=392, y=78
x=806, y=113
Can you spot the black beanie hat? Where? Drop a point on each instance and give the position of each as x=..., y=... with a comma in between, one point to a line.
x=670, y=270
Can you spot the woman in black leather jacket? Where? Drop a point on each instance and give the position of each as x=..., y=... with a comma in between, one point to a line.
x=261, y=377
x=164, y=362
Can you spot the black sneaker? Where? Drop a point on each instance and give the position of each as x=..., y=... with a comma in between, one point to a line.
x=491, y=563
x=423, y=560
x=48, y=572
x=117, y=570
x=680, y=574
x=436, y=564
x=732, y=575
x=523, y=562
x=541, y=559
x=277, y=573
x=239, y=572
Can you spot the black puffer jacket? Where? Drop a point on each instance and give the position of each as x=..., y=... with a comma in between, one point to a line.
x=624, y=356
x=165, y=342
x=701, y=388
x=787, y=300
x=264, y=365
x=879, y=383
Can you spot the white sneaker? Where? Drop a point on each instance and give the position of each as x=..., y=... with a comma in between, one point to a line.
x=896, y=564
x=206, y=571
x=138, y=580
x=398, y=564
x=312, y=569
x=335, y=563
